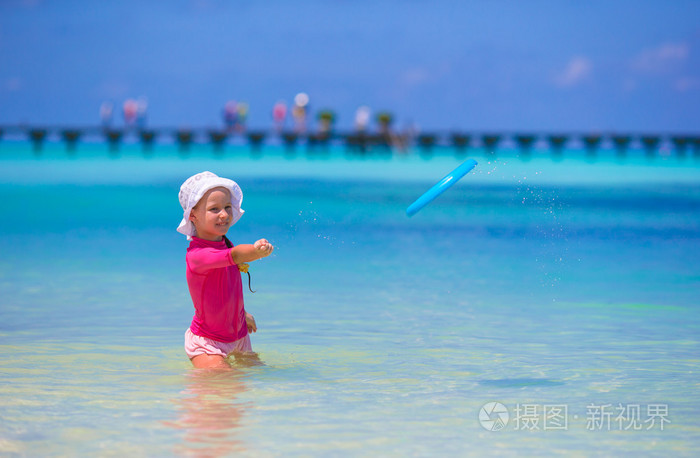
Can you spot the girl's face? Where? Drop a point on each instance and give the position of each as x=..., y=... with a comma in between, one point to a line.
x=213, y=214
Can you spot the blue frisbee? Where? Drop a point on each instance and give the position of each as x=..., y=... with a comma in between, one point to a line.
x=442, y=186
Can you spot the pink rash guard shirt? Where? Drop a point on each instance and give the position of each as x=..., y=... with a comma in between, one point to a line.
x=215, y=286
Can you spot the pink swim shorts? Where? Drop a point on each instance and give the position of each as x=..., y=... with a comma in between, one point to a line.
x=198, y=345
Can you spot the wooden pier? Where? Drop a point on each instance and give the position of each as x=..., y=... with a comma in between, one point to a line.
x=383, y=141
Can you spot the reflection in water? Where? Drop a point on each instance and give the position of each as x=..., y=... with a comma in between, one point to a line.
x=210, y=412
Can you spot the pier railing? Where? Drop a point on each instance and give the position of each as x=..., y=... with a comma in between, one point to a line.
x=359, y=142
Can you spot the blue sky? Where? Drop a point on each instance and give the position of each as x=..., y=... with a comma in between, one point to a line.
x=614, y=65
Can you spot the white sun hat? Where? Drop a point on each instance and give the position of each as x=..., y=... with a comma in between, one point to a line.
x=195, y=187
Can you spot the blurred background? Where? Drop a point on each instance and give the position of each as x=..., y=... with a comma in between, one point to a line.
x=622, y=65
x=544, y=279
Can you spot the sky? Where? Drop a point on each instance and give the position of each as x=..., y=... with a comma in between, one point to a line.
x=473, y=65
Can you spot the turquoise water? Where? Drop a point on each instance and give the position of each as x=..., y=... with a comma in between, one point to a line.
x=530, y=283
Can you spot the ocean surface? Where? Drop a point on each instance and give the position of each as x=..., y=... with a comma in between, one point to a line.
x=539, y=306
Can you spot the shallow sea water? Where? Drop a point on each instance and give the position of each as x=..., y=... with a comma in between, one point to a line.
x=536, y=284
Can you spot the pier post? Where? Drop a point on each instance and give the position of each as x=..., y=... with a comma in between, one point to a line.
x=357, y=142
x=621, y=143
x=311, y=142
x=351, y=143
x=650, y=143
x=525, y=143
x=680, y=144
x=256, y=138
x=113, y=139
x=695, y=141
x=490, y=142
x=460, y=142
x=591, y=143
x=557, y=143
x=382, y=140
x=184, y=139
x=37, y=136
x=290, y=141
x=71, y=137
x=319, y=139
x=148, y=137
x=218, y=139
x=324, y=139
x=426, y=142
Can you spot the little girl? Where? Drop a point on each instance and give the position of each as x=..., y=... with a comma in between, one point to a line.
x=220, y=325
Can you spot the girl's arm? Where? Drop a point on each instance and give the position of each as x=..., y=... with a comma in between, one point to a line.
x=248, y=253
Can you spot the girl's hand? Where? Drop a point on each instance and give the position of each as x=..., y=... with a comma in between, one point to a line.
x=250, y=321
x=263, y=248
x=245, y=253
